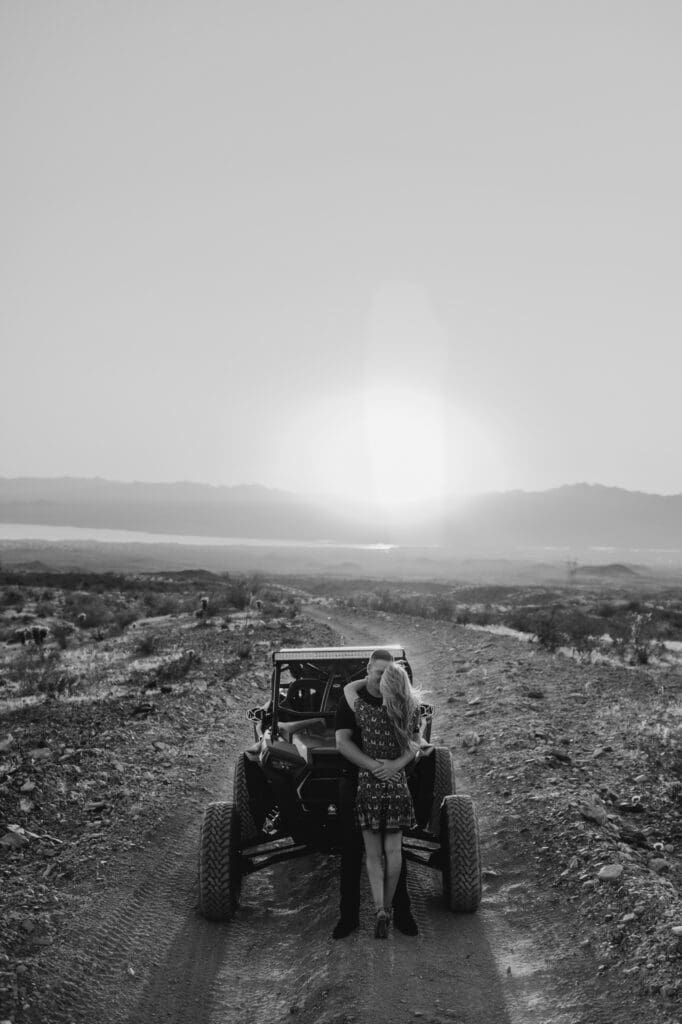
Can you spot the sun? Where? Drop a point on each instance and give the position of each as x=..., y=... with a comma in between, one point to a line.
x=406, y=445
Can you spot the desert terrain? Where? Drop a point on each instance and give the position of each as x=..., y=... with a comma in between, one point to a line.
x=122, y=710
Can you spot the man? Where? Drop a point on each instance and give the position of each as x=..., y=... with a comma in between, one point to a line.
x=349, y=743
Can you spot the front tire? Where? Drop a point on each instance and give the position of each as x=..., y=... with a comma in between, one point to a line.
x=461, y=853
x=443, y=785
x=240, y=794
x=219, y=867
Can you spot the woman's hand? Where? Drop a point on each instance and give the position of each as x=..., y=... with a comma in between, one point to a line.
x=386, y=770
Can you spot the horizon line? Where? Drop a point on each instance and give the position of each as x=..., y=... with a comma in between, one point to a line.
x=312, y=495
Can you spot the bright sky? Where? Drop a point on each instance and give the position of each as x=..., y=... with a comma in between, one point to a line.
x=353, y=246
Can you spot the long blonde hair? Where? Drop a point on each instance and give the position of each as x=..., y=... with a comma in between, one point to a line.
x=401, y=700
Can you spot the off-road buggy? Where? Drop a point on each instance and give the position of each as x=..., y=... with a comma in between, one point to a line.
x=286, y=788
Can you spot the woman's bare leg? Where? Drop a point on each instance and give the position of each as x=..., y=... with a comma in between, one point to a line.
x=375, y=865
x=393, y=853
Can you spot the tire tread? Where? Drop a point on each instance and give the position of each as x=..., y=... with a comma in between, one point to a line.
x=242, y=800
x=443, y=785
x=462, y=882
x=219, y=869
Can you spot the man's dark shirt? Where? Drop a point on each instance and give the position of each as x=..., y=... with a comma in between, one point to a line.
x=345, y=719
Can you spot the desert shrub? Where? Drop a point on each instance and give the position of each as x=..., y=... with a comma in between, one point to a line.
x=164, y=604
x=12, y=597
x=231, y=669
x=672, y=617
x=413, y=604
x=220, y=603
x=141, y=679
x=236, y=594
x=481, y=617
x=91, y=608
x=269, y=610
x=659, y=742
x=641, y=644
x=96, y=673
x=178, y=667
x=124, y=617
x=444, y=608
x=61, y=631
x=147, y=645
x=433, y=601
x=636, y=640
x=8, y=630
x=40, y=674
x=577, y=629
x=524, y=620
x=22, y=664
x=547, y=630
x=44, y=609
x=605, y=610
x=119, y=609
x=640, y=655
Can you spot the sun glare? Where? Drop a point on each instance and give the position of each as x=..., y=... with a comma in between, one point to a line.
x=396, y=447
x=406, y=439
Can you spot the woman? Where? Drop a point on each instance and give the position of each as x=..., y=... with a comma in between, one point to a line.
x=390, y=735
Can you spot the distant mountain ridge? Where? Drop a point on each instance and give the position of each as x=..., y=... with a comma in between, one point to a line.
x=577, y=516
x=572, y=517
x=249, y=511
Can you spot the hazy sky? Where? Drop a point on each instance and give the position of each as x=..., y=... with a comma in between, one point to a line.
x=382, y=247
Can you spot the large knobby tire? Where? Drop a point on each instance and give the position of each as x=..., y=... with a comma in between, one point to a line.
x=219, y=867
x=443, y=785
x=242, y=800
x=461, y=853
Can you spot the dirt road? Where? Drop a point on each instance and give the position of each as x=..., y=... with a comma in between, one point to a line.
x=150, y=959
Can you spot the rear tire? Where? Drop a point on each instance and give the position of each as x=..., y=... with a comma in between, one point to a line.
x=219, y=867
x=242, y=800
x=461, y=853
x=443, y=785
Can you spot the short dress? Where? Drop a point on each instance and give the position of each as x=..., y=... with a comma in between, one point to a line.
x=381, y=805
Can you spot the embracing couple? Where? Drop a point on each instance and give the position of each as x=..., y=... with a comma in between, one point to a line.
x=377, y=731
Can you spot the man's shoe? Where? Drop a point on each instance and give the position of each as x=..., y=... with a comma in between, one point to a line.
x=344, y=926
x=405, y=923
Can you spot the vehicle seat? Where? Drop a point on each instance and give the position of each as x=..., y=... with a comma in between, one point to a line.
x=304, y=695
x=334, y=696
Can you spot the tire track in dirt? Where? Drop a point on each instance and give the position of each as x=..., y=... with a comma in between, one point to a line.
x=145, y=898
x=232, y=972
x=130, y=928
x=279, y=959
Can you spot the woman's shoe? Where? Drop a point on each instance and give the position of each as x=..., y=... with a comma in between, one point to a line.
x=381, y=924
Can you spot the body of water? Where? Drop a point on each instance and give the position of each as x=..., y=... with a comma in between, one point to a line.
x=30, y=531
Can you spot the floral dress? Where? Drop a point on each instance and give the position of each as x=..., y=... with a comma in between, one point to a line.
x=381, y=805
